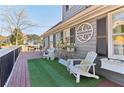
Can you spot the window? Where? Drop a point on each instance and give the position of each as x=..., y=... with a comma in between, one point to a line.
x=46, y=41
x=117, y=34
x=68, y=7
x=102, y=46
x=72, y=35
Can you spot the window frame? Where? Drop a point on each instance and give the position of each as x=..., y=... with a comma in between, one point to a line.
x=68, y=7
x=110, y=36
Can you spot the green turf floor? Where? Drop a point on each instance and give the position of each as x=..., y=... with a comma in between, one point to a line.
x=44, y=73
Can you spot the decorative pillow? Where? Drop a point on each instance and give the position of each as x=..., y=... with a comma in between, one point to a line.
x=46, y=52
x=77, y=62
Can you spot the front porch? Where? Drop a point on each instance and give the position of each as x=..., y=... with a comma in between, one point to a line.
x=20, y=74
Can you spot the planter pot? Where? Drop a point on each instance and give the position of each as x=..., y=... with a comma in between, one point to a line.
x=70, y=49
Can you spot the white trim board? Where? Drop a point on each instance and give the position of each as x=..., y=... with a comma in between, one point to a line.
x=110, y=47
x=116, y=67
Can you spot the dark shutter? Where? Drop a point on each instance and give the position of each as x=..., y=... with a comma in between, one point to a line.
x=48, y=41
x=102, y=44
x=67, y=7
x=72, y=35
x=61, y=36
x=54, y=40
x=44, y=42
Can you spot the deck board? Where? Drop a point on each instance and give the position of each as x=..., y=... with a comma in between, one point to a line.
x=108, y=83
x=20, y=74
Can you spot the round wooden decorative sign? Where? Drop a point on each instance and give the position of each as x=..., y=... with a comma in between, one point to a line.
x=84, y=32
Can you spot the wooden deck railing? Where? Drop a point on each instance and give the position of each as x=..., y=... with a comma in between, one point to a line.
x=29, y=48
x=8, y=57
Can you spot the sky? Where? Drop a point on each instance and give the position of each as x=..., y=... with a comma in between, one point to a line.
x=44, y=15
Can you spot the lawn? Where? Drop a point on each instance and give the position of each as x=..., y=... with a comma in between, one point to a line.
x=44, y=73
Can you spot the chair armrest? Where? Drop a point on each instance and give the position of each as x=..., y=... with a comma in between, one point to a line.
x=81, y=65
x=76, y=59
x=73, y=61
x=78, y=65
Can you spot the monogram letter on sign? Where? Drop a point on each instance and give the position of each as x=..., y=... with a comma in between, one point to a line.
x=84, y=32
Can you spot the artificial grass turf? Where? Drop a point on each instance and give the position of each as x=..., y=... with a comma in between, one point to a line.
x=45, y=73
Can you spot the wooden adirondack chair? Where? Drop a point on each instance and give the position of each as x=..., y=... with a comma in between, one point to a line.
x=84, y=66
x=50, y=55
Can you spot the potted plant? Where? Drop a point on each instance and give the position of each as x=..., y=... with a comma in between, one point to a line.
x=71, y=47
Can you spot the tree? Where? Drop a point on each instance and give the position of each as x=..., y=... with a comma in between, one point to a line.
x=34, y=38
x=2, y=37
x=17, y=37
x=15, y=20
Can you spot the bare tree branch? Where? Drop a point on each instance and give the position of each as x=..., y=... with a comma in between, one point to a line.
x=16, y=19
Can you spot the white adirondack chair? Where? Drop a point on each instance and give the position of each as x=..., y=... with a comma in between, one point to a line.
x=84, y=67
x=44, y=52
x=44, y=49
x=50, y=55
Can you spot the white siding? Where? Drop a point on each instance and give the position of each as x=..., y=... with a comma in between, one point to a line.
x=83, y=48
x=72, y=11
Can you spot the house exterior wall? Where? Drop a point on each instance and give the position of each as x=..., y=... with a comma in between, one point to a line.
x=83, y=48
x=72, y=11
x=91, y=45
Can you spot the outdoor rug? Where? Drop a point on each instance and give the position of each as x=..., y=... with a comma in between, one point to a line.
x=45, y=73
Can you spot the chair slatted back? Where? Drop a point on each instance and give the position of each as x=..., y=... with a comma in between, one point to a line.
x=91, y=56
x=52, y=50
